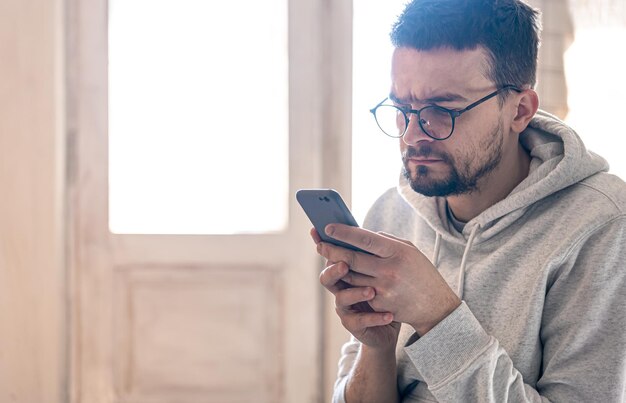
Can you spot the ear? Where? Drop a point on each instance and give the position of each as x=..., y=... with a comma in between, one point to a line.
x=527, y=103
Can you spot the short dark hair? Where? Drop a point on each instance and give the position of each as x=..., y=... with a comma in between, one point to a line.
x=507, y=29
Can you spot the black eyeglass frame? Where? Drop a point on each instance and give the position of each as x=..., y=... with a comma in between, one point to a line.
x=453, y=113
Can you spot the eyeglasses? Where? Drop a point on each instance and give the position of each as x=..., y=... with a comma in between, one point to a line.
x=436, y=121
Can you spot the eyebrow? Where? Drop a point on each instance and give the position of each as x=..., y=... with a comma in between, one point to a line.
x=445, y=97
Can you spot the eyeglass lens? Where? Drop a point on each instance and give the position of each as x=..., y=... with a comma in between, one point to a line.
x=436, y=122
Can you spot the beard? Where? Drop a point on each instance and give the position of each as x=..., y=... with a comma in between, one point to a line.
x=465, y=170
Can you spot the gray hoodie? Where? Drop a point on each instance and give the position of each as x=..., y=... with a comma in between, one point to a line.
x=542, y=276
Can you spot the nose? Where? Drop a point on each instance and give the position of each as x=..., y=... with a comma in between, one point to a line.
x=414, y=133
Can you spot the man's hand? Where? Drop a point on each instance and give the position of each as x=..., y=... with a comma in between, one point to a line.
x=402, y=280
x=374, y=329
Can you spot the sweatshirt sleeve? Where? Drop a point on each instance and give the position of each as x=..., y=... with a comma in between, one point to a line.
x=583, y=335
x=349, y=352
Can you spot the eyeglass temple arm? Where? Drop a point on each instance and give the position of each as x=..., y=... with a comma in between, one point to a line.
x=373, y=110
x=483, y=99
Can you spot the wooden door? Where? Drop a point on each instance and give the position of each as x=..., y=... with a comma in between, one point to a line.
x=205, y=318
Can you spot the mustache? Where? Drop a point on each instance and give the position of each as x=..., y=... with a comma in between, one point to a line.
x=425, y=151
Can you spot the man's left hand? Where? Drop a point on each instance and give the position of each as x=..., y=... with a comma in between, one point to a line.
x=405, y=282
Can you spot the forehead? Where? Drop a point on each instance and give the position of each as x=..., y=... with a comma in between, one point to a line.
x=420, y=74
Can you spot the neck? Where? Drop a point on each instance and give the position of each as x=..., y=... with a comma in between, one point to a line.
x=493, y=187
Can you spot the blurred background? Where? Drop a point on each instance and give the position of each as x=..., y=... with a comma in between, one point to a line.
x=151, y=249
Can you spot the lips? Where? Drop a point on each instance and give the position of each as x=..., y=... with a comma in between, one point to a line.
x=424, y=161
x=422, y=156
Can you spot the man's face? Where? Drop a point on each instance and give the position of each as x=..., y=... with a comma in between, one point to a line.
x=451, y=79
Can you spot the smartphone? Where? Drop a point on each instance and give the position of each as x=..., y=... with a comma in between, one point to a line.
x=323, y=207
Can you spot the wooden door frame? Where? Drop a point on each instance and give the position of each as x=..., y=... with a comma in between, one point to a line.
x=336, y=18
x=32, y=176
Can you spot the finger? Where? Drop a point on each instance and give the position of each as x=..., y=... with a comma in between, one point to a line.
x=395, y=238
x=367, y=240
x=357, y=322
x=331, y=276
x=344, y=299
x=315, y=235
x=356, y=279
x=358, y=261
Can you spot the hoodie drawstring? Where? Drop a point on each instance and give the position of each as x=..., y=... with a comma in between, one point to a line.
x=468, y=246
x=437, y=246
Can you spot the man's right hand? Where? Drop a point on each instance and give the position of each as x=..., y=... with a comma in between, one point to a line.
x=376, y=330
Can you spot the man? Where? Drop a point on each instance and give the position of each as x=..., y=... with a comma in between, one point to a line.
x=498, y=265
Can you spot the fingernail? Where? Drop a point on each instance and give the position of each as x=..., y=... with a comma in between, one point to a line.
x=330, y=229
x=367, y=292
x=387, y=317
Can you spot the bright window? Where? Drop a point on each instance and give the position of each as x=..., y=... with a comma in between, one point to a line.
x=198, y=116
x=595, y=64
x=376, y=159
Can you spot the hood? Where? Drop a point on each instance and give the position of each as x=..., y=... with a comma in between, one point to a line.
x=558, y=159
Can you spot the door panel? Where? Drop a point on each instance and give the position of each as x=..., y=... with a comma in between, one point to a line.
x=167, y=316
